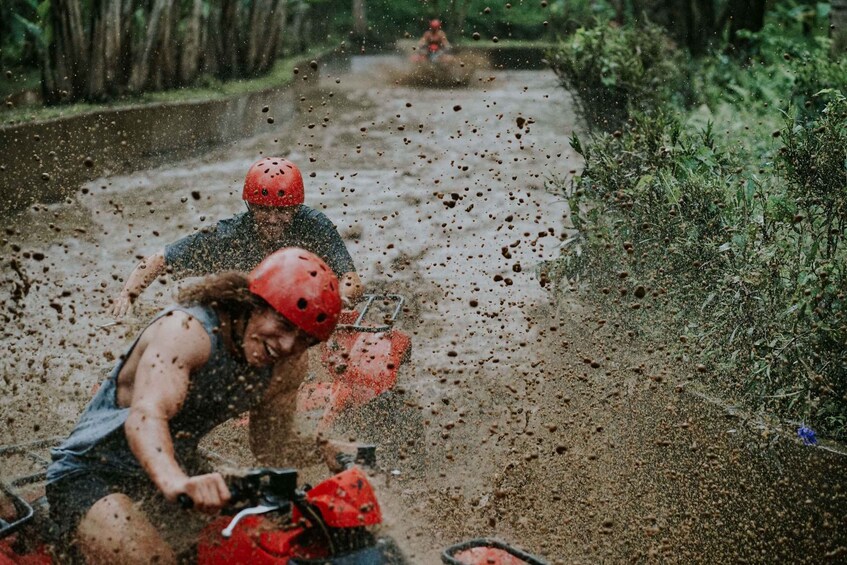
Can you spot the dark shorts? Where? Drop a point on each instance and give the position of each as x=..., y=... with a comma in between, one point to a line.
x=72, y=497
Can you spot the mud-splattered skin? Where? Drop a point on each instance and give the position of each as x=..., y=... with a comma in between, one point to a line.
x=440, y=195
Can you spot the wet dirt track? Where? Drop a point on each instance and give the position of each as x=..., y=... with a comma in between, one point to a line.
x=440, y=196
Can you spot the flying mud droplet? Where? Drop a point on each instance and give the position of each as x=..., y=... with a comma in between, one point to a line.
x=475, y=36
x=265, y=109
x=45, y=177
x=270, y=119
x=314, y=65
x=88, y=162
x=457, y=108
x=195, y=194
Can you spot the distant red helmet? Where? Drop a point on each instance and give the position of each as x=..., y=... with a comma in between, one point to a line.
x=435, y=25
x=301, y=287
x=273, y=181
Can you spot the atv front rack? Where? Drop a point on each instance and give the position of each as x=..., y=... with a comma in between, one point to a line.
x=23, y=512
x=369, y=300
x=31, y=451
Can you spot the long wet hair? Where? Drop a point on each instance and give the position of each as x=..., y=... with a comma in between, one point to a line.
x=227, y=292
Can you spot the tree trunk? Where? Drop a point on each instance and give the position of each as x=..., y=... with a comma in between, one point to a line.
x=97, y=46
x=132, y=43
x=298, y=25
x=275, y=23
x=283, y=28
x=209, y=42
x=619, y=11
x=145, y=59
x=190, y=57
x=66, y=53
x=259, y=33
x=461, y=15
x=360, y=22
x=229, y=37
x=744, y=15
x=838, y=31
x=168, y=48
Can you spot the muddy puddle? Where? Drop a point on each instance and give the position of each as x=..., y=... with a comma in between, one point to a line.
x=440, y=196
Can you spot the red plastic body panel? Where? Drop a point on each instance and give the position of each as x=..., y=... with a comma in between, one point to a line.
x=242, y=547
x=346, y=500
x=256, y=540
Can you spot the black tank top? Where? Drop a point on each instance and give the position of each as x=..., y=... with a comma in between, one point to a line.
x=223, y=388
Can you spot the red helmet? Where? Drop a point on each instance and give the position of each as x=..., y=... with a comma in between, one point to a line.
x=301, y=287
x=273, y=181
x=435, y=25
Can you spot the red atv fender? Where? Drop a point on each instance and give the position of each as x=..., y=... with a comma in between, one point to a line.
x=346, y=500
x=363, y=360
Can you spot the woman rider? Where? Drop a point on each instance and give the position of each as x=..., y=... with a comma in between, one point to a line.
x=220, y=351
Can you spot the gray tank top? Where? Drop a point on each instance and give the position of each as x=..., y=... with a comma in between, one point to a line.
x=221, y=389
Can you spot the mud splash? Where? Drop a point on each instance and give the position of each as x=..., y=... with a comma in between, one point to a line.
x=440, y=195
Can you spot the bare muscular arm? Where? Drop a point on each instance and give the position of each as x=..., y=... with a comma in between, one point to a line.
x=175, y=346
x=274, y=440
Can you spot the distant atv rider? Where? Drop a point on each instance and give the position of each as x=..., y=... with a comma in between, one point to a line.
x=223, y=349
x=275, y=218
x=434, y=41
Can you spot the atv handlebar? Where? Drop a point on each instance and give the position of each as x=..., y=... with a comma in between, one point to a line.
x=255, y=485
x=270, y=487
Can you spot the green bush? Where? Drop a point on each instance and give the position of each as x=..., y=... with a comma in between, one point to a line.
x=787, y=63
x=613, y=72
x=738, y=252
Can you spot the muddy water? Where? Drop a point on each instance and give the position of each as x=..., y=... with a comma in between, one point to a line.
x=440, y=195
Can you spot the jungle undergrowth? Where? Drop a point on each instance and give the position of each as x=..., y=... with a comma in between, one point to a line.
x=715, y=218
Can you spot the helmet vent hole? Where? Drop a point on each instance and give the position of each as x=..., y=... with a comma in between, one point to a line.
x=313, y=273
x=280, y=193
x=321, y=318
x=267, y=170
x=302, y=304
x=264, y=192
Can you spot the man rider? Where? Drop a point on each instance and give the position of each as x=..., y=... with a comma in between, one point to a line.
x=275, y=218
x=434, y=39
x=220, y=351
